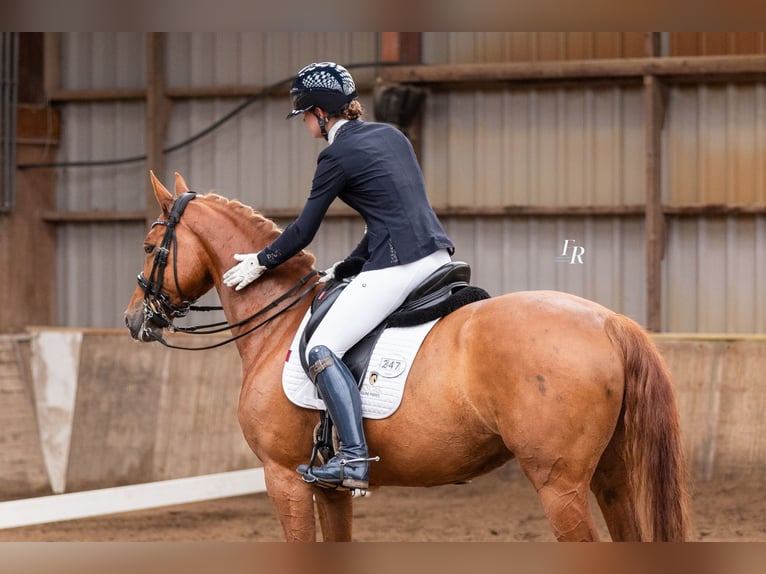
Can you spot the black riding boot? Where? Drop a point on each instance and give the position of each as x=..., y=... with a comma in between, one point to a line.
x=350, y=467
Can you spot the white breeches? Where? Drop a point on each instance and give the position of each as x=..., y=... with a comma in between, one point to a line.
x=368, y=299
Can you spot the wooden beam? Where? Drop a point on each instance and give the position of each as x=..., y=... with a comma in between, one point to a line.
x=157, y=115
x=709, y=67
x=95, y=95
x=655, y=222
x=566, y=73
x=714, y=210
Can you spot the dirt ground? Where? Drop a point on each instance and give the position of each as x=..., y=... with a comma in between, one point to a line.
x=501, y=506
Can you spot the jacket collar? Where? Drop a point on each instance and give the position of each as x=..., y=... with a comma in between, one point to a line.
x=333, y=133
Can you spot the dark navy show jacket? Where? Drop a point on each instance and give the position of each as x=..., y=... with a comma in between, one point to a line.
x=371, y=167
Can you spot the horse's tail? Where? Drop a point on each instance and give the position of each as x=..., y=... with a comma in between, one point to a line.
x=654, y=454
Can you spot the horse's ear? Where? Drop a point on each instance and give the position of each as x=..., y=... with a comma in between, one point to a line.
x=181, y=186
x=164, y=197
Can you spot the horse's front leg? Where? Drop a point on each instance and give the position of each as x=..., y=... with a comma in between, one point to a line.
x=293, y=500
x=335, y=509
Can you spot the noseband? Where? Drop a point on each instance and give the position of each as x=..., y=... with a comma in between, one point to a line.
x=156, y=301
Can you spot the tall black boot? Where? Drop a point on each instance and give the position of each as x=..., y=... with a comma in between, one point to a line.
x=350, y=467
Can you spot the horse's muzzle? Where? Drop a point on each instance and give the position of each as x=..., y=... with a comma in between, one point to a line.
x=139, y=330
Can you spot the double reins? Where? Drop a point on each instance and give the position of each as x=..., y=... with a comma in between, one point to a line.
x=156, y=301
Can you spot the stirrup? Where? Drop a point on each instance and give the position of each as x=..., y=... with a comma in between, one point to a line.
x=309, y=478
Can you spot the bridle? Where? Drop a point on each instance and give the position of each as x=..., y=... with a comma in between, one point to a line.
x=157, y=303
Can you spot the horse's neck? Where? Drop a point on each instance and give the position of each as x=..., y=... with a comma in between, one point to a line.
x=248, y=235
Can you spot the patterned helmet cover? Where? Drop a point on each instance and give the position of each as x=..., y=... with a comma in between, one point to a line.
x=324, y=84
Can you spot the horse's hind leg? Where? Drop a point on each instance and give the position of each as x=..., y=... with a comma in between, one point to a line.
x=611, y=486
x=563, y=491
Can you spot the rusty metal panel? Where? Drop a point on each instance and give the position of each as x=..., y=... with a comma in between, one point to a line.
x=716, y=152
x=716, y=43
x=553, y=147
x=473, y=47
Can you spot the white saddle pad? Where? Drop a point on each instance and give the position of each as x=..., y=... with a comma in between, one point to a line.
x=383, y=382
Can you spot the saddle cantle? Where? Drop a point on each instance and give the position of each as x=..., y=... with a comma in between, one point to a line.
x=441, y=293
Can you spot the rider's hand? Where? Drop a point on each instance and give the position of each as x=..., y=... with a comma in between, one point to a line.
x=329, y=273
x=245, y=272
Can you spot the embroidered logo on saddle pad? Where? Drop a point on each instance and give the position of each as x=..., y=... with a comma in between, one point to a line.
x=383, y=383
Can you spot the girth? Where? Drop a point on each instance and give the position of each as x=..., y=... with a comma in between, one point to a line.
x=444, y=291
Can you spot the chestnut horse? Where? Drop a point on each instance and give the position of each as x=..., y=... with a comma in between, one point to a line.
x=578, y=394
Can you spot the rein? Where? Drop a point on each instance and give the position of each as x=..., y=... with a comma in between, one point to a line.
x=285, y=296
x=156, y=300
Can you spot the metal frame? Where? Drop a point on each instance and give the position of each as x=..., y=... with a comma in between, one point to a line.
x=9, y=91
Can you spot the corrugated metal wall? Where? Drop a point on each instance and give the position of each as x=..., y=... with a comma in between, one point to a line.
x=715, y=269
x=552, y=147
x=471, y=47
x=97, y=263
x=555, y=147
x=257, y=157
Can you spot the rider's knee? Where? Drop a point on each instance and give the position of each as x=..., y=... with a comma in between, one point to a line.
x=318, y=352
x=319, y=358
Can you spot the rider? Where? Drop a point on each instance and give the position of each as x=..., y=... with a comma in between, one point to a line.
x=372, y=167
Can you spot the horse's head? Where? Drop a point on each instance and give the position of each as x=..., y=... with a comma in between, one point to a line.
x=174, y=273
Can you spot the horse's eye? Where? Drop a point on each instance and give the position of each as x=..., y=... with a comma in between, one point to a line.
x=148, y=249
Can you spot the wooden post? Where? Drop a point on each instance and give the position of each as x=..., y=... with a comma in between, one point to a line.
x=404, y=47
x=51, y=63
x=401, y=47
x=654, y=107
x=157, y=115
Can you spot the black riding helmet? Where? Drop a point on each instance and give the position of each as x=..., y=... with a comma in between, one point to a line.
x=326, y=85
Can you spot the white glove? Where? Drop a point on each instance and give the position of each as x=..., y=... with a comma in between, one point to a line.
x=329, y=273
x=244, y=273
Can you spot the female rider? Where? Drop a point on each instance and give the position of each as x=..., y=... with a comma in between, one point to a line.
x=372, y=168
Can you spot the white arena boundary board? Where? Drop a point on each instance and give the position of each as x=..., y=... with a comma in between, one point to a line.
x=74, y=505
